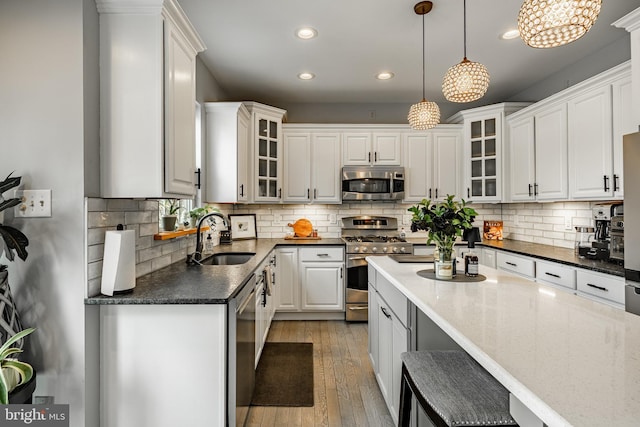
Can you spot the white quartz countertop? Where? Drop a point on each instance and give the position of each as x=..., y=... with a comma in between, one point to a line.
x=570, y=360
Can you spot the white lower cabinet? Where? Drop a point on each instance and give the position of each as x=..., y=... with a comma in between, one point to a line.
x=522, y=266
x=488, y=257
x=389, y=337
x=556, y=275
x=311, y=279
x=602, y=287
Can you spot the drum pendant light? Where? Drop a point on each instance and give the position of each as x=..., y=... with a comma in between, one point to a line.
x=552, y=23
x=468, y=80
x=425, y=114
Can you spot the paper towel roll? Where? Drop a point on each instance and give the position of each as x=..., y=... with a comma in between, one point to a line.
x=119, y=261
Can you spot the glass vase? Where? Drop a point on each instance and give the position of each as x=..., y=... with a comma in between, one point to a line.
x=443, y=258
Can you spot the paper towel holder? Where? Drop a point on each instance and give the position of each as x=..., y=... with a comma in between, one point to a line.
x=119, y=262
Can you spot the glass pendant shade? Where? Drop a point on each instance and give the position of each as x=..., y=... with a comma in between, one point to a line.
x=465, y=82
x=551, y=23
x=424, y=115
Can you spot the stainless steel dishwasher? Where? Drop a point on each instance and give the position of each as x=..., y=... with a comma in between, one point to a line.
x=243, y=370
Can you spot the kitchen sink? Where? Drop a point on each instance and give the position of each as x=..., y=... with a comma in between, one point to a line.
x=228, y=258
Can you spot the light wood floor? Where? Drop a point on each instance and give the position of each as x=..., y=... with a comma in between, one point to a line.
x=345, y=389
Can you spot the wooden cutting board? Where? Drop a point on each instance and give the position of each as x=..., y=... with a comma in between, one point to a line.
x=302, y=227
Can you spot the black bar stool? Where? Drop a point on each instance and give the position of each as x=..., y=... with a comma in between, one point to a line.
x=453, y=389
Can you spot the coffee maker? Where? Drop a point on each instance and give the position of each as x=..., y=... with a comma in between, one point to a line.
x=600, y=245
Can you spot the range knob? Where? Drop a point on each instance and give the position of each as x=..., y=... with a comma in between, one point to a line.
x=402, y=249
x=356, y=249
x=385, y=249
x=395, y=250
x=364, y=249
x=374, y=249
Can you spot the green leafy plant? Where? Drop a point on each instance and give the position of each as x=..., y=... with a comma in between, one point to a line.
x=14, y=242
x=198, y=213
x=444, y=221
x=13, y=372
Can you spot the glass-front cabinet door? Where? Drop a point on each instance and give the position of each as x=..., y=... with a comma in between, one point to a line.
x=268, y=159
x=268, y=154
x=484, y=159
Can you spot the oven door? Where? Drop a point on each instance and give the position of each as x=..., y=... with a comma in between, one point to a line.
x=357, y=309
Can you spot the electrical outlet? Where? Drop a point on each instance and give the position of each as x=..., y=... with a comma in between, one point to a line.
x=35, y=203
x=568, y=222
x=333, y=218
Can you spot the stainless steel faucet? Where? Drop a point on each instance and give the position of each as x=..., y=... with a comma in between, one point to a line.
x=197, y=255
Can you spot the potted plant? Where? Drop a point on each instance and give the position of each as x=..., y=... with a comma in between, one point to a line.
x=197, y=213
x=13, y=243
x=444, y=223
x=171, y=207
x=15, y=376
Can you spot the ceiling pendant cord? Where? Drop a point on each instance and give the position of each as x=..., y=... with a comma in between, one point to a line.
x=466, y=81
x=425, y=114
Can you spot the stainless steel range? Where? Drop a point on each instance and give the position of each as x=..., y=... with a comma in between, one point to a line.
x=367, y=236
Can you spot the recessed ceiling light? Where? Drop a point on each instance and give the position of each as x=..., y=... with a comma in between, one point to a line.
x=385, y=75
x=510, y=34
x=306, y=33
x=306, y=76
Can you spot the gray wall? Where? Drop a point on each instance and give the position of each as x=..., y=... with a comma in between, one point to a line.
x=46, y=118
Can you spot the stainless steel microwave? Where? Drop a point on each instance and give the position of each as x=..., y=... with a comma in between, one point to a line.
x=372, y=183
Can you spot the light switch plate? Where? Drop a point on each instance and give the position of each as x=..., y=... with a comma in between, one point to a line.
x=35, y=203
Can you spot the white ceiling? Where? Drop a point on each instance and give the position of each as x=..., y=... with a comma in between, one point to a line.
x=253, y=53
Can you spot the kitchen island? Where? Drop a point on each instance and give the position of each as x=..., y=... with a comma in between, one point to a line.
x=569, y=360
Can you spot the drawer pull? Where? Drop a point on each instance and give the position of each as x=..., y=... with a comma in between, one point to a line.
x=513, y=264
x=387, y=315
x=358, y=308
x=322, y=255
x=602, y=288
x=557, y=276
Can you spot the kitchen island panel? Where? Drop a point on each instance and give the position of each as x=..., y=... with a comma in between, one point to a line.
x=570, y=360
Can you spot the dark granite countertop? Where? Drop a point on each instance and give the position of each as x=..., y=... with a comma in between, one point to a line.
x=549, y=253
x=179, y=283
x=554, y=254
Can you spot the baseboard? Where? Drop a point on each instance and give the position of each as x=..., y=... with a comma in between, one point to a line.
x=327, y=315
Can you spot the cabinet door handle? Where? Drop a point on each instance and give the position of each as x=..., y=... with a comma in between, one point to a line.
x=535, y=189
x=387, y=315
x=369, y=156
x=315, y=193
x=468, y=194
x=198, y=173
x=341, y=272
x=602, y=288
x=279, y=193
x=264, y=298
x=530, y=190
x=375, y=156
x=616, y=187
x=242, y=190
x=429, y=193
x=553, y=275
x=606, y=183
x=308, y=193
x=513, y=264
x=436, y=193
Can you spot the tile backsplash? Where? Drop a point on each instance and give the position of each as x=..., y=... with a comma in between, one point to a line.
x=544, y=223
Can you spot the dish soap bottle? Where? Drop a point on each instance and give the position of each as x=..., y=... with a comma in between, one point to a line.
x=403, y=233
x=208, y=244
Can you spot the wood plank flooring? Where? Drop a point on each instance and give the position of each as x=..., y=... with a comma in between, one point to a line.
x=345, y=390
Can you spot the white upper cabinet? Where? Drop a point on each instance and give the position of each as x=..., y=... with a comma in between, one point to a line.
x=147, y=99
x=590, y=144
x=226, y=154
x=484, y=129
x=537, y=146
x=623, y=123
x=432, y=163
x=312, y=166
x=372, y=148
x=266, y=142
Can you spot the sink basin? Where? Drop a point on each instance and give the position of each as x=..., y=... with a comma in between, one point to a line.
x=228, y=258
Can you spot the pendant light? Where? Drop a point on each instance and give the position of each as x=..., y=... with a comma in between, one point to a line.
x=468, y=80
x=551, y=23
x=425, y=114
